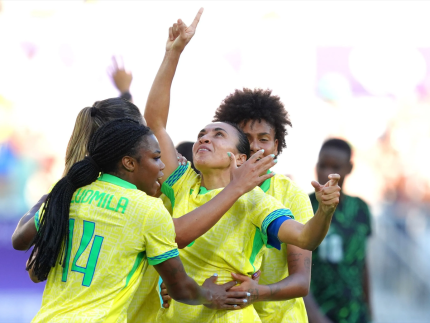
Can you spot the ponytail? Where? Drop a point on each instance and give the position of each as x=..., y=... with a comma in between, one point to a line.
x=109, y=144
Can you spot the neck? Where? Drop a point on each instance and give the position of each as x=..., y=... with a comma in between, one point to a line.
x=215, y=178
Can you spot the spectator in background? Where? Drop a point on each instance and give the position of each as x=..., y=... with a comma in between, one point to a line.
x=122, y=79
x=340, y=280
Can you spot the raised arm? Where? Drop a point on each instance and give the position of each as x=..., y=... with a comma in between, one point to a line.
x=26, y=229
x=157, y=105
x=310, y=235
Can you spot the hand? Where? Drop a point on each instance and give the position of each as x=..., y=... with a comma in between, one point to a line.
x=181, y=159
x=247, y=176
x=180, y=35
x=249, y=285
x=121, y=78
x=222, y=298
x=328, y=195
x=165, y=295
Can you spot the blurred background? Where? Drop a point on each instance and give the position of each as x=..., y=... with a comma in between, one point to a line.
x=359, y=71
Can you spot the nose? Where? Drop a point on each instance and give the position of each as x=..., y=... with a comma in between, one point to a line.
x=162, y=166
x=204, y=139
x=254, y=146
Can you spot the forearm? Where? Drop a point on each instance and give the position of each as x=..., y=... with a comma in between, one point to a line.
x=307, y=236
x=196, y=223
x=312, y=309
x=157, y=105
x=180, y=286
x=26, y=230
x=189, y=292
x=315, y=230
x=290, y=287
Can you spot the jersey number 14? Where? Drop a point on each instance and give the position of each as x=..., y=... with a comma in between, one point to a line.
x=87, y=236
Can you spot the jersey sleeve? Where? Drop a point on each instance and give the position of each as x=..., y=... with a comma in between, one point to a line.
x=159, y=235
x=183, y=176
x=264, y=210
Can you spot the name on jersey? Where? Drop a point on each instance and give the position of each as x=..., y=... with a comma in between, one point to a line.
x=103, y=200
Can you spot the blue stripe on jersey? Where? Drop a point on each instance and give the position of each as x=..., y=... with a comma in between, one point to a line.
x=173, y=178
x=272, y=232
x=163, y=257
x=272, y=216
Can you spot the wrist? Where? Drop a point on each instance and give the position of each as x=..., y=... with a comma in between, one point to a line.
x=235, y=190
x=205, y=296
x=173, y=53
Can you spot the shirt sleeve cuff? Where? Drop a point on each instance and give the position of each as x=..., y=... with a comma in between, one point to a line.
x=163, y=257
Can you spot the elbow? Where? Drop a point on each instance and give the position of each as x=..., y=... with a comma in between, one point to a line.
x=17, y=244
x=304, y=290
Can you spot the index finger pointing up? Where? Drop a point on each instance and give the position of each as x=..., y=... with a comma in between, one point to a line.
x=197, y=19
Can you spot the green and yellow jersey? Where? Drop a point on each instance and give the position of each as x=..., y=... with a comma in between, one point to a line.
x=115, y=232
x=234, y=245
x=274, y=267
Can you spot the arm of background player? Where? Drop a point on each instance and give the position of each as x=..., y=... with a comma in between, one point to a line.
x=295, y=285
x=122, y=79
x=157, y=105
x=184, y=289
x=314, y=313
x=366, y=289
x=310, y=235
x=26, y=229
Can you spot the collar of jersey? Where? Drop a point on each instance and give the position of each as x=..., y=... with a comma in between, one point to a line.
x=116, y=181
x=266, y=184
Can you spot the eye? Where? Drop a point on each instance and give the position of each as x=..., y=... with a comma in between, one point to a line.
x=263, y=139
x=219, y=134
x=199, y=135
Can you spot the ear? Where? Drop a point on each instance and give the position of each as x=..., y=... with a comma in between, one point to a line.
x=276, y=147
x=240, y=159
x=129, y=163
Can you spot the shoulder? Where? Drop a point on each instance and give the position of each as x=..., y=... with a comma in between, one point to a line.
x=183, y=174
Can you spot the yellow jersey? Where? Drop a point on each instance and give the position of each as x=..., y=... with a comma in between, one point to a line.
x=115, y=232
x=234, y=245
x=275, y=266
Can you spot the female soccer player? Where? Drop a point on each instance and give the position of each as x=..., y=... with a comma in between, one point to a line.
x=90, y=119
x=285, y=275
x=97, y=235
x=236, y=242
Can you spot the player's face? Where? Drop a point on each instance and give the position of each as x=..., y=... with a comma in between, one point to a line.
x=149, y=167
x=333, y=161
x=213, y=143
x=260, y=136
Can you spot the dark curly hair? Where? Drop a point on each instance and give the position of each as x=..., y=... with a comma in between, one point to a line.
x=242, y=106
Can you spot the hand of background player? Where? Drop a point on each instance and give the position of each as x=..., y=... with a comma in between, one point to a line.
x=328, y=195
x=247, y=176
x=121, y=78
x=180, y=35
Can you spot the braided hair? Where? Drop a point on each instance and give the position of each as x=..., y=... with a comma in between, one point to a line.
x=251, y=105
x=110, y=143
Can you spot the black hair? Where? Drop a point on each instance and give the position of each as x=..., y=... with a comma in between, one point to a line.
x=106, y=148
x=243, y=106
x=185, y=148
x=338, y=144
x=243, y=144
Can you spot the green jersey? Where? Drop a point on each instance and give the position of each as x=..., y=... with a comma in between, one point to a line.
x=338, y=264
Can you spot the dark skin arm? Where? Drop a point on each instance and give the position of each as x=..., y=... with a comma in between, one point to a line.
x=314, y=313
x=184, y=289
x=366, y=288
x=295, y=285
x=26, y=229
